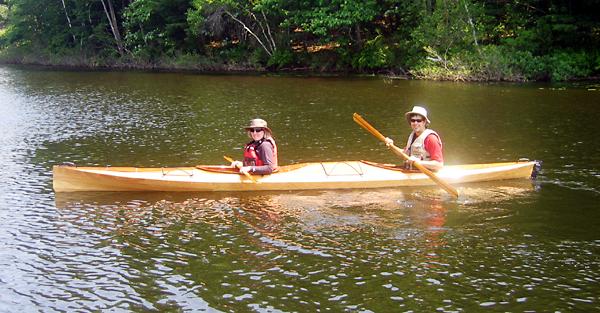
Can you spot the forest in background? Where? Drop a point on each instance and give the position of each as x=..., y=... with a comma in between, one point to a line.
x=469, y=40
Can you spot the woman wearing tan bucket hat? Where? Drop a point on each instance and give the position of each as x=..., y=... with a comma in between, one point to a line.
x=260, y=154
x=423, y=144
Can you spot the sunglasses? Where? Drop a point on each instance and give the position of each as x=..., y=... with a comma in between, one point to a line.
x=414, y=120
x=255, y=130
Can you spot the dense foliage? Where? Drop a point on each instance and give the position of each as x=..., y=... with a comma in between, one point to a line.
x=434, y=39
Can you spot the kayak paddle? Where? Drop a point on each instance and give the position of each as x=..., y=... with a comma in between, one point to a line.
x=364, y=124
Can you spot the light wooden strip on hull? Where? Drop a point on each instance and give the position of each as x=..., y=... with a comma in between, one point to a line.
x=320, y=175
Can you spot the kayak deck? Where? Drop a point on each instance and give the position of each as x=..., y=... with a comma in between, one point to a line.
x=303, y=176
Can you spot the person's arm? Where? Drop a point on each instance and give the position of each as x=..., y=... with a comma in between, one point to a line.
x=390, y=142
x=434, y=148
x=432, y=164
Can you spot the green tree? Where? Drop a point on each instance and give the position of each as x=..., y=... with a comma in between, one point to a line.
x=157, y=27
x=449, y=27
x=59, y=25
x=251, y=21
x=439, y=39
x=37, y=23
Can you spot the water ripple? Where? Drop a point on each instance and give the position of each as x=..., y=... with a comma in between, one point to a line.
x=513, y=246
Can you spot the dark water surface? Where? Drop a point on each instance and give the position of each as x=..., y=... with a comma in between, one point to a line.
x=502, y=246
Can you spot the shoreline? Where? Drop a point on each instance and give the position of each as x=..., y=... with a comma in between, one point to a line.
x=216, y=69
x=235, y=69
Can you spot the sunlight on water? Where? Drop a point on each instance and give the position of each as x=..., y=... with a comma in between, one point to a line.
x=256, y=249
x=505, y=246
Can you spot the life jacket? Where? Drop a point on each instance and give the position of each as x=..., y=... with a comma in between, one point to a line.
x=251, y=157
x=417, y=147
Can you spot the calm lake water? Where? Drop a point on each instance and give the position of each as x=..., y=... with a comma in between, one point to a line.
x=504, y=246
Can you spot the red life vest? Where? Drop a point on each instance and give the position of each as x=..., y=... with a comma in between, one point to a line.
x=251, y=157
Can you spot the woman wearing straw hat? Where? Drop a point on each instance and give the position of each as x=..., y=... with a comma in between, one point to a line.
x=423, y=145
x=260, y=154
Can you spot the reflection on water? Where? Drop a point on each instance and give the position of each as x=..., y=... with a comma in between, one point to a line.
x=325, y=250
x=508, y=246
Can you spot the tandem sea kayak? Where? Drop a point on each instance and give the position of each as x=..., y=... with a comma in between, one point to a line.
x=302, y=176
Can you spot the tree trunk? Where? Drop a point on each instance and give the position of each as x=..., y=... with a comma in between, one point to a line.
x=112, y=20
x=358, y=36
x=69, y=21
x=429, y=6
x=472, y=25
x=249, y=31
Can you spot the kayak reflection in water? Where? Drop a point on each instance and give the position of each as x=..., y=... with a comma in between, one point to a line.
x=423, y=145
x=260, y=154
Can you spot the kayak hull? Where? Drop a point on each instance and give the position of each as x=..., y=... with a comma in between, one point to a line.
x=305, y=176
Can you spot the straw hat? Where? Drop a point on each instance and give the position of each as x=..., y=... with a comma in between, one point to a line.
x=417, y=110
x=256, y=123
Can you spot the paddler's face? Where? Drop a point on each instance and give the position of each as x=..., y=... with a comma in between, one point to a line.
x=257, y=133
x=417, y=123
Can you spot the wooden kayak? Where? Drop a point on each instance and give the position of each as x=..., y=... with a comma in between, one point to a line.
x=303, y=176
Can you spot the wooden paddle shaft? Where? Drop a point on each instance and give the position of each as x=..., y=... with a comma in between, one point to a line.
x=228, y=159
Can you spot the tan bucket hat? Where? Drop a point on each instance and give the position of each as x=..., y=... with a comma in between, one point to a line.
x=417, y=110
x=256, y=123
